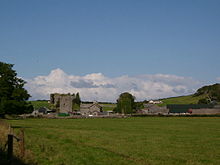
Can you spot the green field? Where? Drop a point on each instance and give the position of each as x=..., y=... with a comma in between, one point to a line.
x=39, y=104
x=130, y=141
x=190, y=99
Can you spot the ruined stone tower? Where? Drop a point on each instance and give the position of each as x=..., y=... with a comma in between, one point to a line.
x=63, y=102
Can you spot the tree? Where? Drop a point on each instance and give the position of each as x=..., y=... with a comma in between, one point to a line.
x=76, y=102
x=13, y=96
x=204, y=101
x=211, y=93
x=125, y=103
x=77, y=99
x=52, y=98
x=139, y=105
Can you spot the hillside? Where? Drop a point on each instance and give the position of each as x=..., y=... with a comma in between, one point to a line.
x=190, y=99
x=41, y=103
x=212, y=93
x=203, y=95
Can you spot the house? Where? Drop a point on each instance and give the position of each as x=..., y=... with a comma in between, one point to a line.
x=155, y=102
x=187, y=108
x=90, y=109
x=40, y=111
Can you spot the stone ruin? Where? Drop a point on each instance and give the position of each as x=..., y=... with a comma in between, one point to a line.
x=63, y=102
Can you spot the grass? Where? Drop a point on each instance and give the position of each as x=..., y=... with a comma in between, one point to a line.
x=108, y=107
x=130, y=141
x=38, y=104
x=17, y=158
x=190, y=99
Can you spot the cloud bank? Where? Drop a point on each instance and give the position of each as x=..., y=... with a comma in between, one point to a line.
x=98, y=87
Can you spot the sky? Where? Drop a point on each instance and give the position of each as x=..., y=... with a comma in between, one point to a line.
x=100, y=48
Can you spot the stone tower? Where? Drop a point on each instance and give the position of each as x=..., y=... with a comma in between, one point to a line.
x=64, y=102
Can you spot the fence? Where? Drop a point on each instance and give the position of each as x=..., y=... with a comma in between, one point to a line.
x=11, y=143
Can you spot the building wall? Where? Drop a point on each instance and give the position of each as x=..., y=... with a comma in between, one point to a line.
x=152, y=108
x=89, y=109
x=183, y=108
x=205, y=111
x=95, y=108
x=56, y=99
x=66, y=104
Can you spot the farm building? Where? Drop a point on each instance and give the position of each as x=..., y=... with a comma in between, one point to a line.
x=40, y=111
x=205, y=111
x=192, y=108
x=90, y=109
x=155, y=102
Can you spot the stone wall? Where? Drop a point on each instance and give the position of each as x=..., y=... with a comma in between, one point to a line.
x=154, y=109
x=205, y=111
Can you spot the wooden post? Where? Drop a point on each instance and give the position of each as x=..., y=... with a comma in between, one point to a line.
x=10, y=147
x=22, y=147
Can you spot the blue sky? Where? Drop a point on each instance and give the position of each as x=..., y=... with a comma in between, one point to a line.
x=112, y=37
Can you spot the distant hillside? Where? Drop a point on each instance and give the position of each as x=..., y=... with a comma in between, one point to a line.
x=204, y=95
x=211, y=90
x=41, y=103
x=191, y=99
x=212, y=93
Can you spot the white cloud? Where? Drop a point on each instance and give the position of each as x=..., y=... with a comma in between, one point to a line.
x=96, y=86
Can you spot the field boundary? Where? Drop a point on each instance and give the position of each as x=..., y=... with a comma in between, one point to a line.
x=119, y=116
x=12, y=146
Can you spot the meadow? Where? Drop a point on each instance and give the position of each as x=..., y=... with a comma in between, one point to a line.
x=126, y=141
x=190, y=99
x=41, y=103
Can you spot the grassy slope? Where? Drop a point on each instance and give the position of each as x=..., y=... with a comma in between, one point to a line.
x=131, y=141
x=182, y=100
x=39, y=104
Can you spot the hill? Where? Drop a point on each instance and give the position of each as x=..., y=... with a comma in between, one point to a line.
x=190, y=99
x=204, y=95
x=212, y=93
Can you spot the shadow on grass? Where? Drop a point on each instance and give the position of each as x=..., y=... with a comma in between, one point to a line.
x=14, y=161
x=19, y=127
